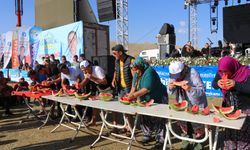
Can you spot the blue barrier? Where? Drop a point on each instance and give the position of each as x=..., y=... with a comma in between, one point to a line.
x=207, y=74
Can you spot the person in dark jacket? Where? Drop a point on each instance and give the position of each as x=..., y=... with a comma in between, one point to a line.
x=236, y=92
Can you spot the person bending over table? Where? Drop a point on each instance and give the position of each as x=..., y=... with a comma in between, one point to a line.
x=186, y=84
x=146, y=86
x=72, y=74
x=97, y=76
x=236, y=92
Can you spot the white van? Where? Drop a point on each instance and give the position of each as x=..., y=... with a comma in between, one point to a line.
x=150, y=54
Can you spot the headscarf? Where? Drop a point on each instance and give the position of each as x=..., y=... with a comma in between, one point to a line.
x=239, y=72
x=140, y=63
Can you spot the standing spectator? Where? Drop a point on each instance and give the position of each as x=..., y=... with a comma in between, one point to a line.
x=146, y=86
x=65, y=61
x=75, y=62
x=236, y=94
x=122, y=79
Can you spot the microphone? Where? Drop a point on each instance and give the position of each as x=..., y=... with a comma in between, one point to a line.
x=210, y=41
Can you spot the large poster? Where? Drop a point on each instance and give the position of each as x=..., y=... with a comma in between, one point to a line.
x=7, y=48
x=2, y=44
x=65, y=40
x=34, y=43
x=207, y=74
x=15, y=61
x=23, y=45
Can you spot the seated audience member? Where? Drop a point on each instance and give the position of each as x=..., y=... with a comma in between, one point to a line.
x=206, y=50
x=5, y=95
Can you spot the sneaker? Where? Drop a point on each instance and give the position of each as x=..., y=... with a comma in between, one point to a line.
x=158, y=145
x=146, y=139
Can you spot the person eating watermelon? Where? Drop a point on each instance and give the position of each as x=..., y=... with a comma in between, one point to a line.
x=234, y=81
x=186, y=84
x=146, y=86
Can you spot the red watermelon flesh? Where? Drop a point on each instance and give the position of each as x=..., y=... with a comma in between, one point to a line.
x=205, y=111
x=224, y=80
x=195, y=109
x=224, y=110
x=232, y=116
x=179, y=106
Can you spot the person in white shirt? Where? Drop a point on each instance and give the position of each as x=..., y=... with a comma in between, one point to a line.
x=73, y=74
x=95, y=74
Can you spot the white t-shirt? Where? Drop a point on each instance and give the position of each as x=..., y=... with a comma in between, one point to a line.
x=98, y=72
x=73, y=74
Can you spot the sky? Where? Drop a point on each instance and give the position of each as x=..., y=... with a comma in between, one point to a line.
x=145, y=19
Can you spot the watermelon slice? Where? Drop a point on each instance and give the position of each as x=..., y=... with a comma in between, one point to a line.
x=179, y=106
x=82, y=96
x=125, y=100
x=224, y=110
x=144, y=103
x=205, y=111
x=224, y=81
x=58, y=94
x=105, y=96
x=69, y=92
x=195, y=109
x=232, y=116
x=180, y=83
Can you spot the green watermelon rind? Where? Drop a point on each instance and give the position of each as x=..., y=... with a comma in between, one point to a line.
x=219, y=109
x=174, y=107
x=106, y=98
x=82, y=97
x=228, y=118
x=125, y=102
x=58, y=94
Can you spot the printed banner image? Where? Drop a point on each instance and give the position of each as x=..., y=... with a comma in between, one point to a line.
x=66, y=40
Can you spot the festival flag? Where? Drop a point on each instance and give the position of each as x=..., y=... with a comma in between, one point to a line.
x=7, y=48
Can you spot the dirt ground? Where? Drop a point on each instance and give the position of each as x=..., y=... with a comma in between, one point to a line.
x=26, y=135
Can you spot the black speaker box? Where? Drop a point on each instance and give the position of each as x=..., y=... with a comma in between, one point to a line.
x=106, y=10
x=167, y=29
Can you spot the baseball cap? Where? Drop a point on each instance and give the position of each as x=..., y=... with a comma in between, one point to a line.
x=118, y=47
x=84, y=64
x=175, y=69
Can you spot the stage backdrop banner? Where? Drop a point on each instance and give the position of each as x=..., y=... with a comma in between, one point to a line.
x=23, y=45
x=207, y=74
x=34, y=43
x=65, y=40
x=7, y=48
x=2, y=44
x=15, y=61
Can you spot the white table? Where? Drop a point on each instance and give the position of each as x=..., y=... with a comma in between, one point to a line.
x=113, y=106
x=163, y=111
x=68, y=101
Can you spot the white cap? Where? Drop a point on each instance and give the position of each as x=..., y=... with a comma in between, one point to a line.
x=84, y=64
x=175, y=68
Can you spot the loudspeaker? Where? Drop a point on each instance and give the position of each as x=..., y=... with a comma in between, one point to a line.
x=167, y=29
x=106, y=10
